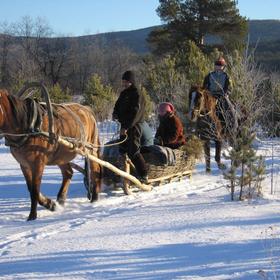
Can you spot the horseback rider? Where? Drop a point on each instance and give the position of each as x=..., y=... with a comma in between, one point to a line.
x=218, y=83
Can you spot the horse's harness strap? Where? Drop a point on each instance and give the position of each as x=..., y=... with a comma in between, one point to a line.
x=209, y=112
x=76, y=117
x=74, y=141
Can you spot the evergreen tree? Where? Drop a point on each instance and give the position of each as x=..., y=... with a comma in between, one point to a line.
x=247, y=169
x=195, y=65
x=149, y=105
x=57, y=95
x=193, y=19
x=100, y=97
x=166, y=83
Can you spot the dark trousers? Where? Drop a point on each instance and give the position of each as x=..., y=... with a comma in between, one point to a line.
x=132, y=147
x=218, y=149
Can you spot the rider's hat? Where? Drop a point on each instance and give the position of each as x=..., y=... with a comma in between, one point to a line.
x=220, y=61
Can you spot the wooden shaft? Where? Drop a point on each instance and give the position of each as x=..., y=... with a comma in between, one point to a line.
x=105, y=164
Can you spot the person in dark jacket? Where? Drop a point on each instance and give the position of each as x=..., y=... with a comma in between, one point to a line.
x=218, y=81
x=129, y=110
x=170, y=132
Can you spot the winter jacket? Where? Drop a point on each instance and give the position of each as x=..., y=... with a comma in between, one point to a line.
x=170, y=132
x=147, y=137
x=129, y=108
x=217, y=82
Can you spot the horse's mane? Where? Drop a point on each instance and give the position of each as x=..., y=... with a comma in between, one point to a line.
x=20, y=110
x=26, y=113
x=210, y=103
x=209, y=100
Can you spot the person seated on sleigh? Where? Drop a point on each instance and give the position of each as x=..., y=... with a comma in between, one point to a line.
x=170, y=132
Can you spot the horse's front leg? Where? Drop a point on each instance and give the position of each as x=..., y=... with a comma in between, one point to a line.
x=27, y=172
x=33, y=177
x=67, y=173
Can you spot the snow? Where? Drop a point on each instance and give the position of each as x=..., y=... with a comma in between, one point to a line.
x=182, y=230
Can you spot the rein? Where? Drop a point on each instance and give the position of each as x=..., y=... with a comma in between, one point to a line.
x=202, y=115
x=70, y=139
x=22, y=94
x=199, y=110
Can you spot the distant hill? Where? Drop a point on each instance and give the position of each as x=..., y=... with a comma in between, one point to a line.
x=134, y=39
x=263, y=34
x=259, y=31
x=264, y=30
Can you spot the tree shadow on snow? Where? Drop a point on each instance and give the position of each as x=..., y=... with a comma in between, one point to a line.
x=164, y=262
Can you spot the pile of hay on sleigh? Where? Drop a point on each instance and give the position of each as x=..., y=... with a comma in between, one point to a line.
x=177, y=162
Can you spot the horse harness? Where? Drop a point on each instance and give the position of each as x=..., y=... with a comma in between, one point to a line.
x=202, y=105
x=35, y=115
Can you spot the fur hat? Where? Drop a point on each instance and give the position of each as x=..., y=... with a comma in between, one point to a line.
x=165, y=107
x=129, y=76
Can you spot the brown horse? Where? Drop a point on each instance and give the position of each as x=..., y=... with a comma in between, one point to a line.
x=202, y=111
x=33, y=151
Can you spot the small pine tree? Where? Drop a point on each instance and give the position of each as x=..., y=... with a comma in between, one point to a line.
x=246, y=169
x=148, y=101
x=57, y=95
x=100, y=97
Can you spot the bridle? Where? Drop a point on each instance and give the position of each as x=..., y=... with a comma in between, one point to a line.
x=199, y=110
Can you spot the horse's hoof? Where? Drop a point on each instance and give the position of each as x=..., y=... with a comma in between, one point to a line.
x=94, y=197
x=32, y=217
x=89, y=196
x=61, y=202
x=53, y=206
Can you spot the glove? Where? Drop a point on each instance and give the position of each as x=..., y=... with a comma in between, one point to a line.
x=123, y=132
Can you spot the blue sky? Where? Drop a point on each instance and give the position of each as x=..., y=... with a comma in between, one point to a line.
x=80, y=17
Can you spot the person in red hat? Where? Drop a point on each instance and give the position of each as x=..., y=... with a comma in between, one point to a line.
x=170, y=132
x=218, y=81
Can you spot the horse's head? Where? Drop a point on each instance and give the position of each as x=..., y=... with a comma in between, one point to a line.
x=196, y=103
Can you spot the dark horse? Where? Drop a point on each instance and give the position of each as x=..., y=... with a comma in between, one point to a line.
x=34, y=151
x=203, y=112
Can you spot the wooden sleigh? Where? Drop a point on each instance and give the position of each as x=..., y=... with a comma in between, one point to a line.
x=158, y=173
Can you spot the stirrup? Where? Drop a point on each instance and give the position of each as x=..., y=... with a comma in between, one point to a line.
x=221, y=166
x=208, y=169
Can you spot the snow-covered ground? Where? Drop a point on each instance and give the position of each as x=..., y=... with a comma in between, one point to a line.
x=182, y=230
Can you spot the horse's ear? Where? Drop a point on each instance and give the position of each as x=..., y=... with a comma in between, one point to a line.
x=3, y=91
